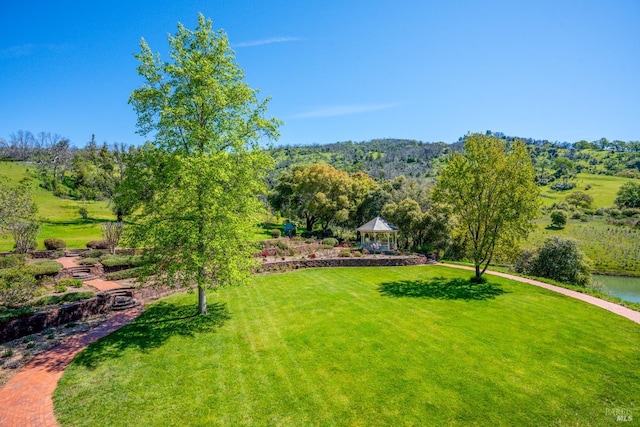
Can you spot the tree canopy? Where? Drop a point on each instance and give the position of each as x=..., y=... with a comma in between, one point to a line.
x=320, y=194
x=197, y=182
x=492, y=194
x=18, y=214
x=628, y=195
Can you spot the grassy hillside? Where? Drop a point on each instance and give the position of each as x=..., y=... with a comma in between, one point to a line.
x=58, y=217
x=603, y=189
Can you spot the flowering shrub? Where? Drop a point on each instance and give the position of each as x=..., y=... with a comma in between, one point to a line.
x=313, y=255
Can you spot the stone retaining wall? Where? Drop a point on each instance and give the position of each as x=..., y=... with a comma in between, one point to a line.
x=39, y=321
x=397, y=261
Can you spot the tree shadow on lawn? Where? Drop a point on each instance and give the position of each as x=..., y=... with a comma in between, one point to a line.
x=441, y=288
x=152, y=329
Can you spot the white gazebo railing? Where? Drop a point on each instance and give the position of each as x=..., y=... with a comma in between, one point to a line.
x=378, y=235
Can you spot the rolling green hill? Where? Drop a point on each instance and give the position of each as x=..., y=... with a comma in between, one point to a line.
x=58, y=217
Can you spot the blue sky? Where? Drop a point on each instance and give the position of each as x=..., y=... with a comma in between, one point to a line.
x=341, y=70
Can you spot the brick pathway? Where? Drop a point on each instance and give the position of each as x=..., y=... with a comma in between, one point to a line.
x=103, y=285
x=99, y=284
x=26, y=400
x=632, y=315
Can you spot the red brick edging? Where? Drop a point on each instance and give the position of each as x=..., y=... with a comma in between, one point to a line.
x=26, y=400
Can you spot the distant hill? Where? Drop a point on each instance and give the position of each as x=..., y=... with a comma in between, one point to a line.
x=380, y=158
x=388, y=158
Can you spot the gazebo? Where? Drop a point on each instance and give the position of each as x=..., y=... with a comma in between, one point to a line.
x=370, y=231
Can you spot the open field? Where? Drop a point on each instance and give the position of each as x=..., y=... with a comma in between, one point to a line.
x=603, y=190
x=58, y=217
x=611, y=249
x=358, y=346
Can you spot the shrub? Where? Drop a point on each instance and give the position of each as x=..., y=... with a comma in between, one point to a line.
x=121, y=260
x=46, y=267
x=84, y=213
x=275, y=233
x=558, y=218
x=98, y=244
x=563, y=186
x=313, y=255
x=74, y=283
x=54, y=244
x=310, y=240
x=17, y=285
x=60, y=288
x=281, y=244
x=329, y=241
x=12, y=261
x=576, y=215
x=630, y=212
x=63, y=299
x=344, y=253
x=89, y=261
x=92, y=253
x=357, y=254
x=124, y=274
x=559, y=259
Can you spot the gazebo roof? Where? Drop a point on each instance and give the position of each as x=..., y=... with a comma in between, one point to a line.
x=378, y=224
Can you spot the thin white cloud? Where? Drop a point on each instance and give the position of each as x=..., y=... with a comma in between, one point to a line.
x=270, y=40
x=17, y=51
x=342, y=110
x=20, y=51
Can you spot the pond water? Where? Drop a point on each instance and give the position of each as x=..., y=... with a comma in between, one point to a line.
x=626, y=288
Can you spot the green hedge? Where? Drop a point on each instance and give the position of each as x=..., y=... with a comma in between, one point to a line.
x=61, y=299
x=74, y=283
x=45, y=267
x=123, y=274
x=120, y=260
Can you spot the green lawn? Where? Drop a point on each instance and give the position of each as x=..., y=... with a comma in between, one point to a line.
x=58, y=217
x=360, y=347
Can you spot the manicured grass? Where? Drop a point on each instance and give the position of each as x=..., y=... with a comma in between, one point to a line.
x=358, y=346
x=58, y=217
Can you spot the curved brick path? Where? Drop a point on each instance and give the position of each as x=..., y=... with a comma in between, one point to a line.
x=632, y=315
x=26, y=400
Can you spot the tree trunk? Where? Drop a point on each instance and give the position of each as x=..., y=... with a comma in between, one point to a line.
x=478, y=272
x=202, y=299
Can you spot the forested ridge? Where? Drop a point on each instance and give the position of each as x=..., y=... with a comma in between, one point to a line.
x=92, y=172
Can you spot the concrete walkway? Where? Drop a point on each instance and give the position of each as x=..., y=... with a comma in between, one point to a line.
x=632, y=315
x=26, y=400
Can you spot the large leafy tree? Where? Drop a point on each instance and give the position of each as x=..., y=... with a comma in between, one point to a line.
x=197, y=182
x=492, y=194
x=320, y=194
x=18, y=214
x=628, y=195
